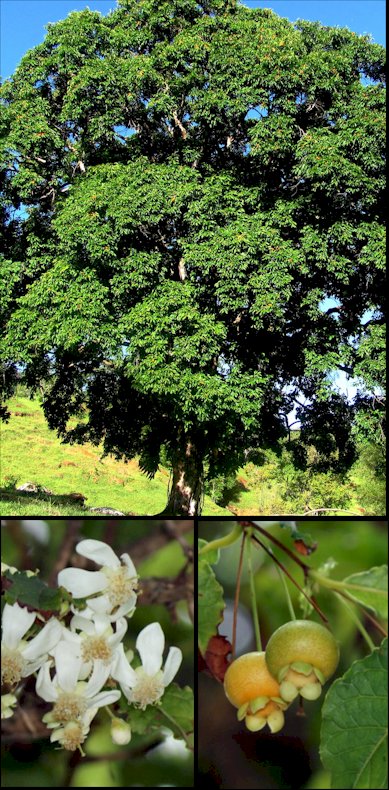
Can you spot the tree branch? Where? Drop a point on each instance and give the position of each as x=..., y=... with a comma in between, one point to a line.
x=66, y=548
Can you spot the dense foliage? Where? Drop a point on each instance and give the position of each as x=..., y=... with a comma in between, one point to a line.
x=184, y=184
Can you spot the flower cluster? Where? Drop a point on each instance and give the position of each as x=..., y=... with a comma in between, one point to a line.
x=81, y=666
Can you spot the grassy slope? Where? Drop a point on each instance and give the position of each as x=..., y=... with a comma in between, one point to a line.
x=31, y=452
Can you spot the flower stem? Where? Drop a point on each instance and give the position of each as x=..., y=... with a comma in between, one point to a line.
x=175, y=724
x=357, y=621
x=221, y=543
x=236, y=599
x=253, y=597
x=287, y=594
x=335, y=584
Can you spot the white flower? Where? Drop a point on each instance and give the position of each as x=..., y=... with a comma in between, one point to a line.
x=8, y=701
x=97, y=640
x=117, y=582
x=72, y=698
x=73, y=734
x=120, y=732
x=146, y=684
x=20, y=657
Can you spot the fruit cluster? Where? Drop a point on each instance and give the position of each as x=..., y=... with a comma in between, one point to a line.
x=300, y=656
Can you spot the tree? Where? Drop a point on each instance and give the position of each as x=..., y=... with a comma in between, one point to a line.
x=184, y=183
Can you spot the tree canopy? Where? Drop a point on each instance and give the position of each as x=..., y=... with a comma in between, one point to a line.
x=184, y=184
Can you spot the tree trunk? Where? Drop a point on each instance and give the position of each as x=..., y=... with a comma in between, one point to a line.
x=186, y=489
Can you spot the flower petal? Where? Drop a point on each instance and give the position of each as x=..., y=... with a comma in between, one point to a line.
x=45, y=641
x=33, y=666
x=99, y=552
x=126, y=560
x=44, y=685
x=150, y=644
x=105, y=698
x=121, y=628
x=97, y=679
x=15, y=622
x=68, y=663
x=57, y=734
x=102, y=624
x=172, y=665
x=121, y=669
x=82, y=583
x=125, y=609
x=102, y=605
x=89, y=714
x=82, y=624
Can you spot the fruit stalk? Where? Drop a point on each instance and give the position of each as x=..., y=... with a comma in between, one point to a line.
x=253, y=597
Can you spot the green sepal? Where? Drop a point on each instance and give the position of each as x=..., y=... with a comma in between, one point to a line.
x=276, y=721
x=319, y=675
x=255, y=723
x=288, y=691
x=301, y=667
x=242, y=711
x=278, y=700
x=311, y=691
x=284, y=671
x=258, y=703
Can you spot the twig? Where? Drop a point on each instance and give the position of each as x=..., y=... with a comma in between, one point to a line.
x=281, y=546
x=162, y=590
x=280, y=564
x=66, y=549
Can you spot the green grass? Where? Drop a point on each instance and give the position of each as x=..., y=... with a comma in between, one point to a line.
x=31, y=452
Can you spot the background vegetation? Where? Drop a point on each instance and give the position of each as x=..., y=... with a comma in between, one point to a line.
x=269, y=483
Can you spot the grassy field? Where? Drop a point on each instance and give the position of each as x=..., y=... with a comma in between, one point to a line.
x=31, y=452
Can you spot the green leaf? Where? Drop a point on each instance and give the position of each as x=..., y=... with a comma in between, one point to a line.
x=210, y=605
x=212, y=557
x=178, y=708
x=143, y=721
x=354, y=727
x=370, y=588
x=32, y=591
x=176, y=711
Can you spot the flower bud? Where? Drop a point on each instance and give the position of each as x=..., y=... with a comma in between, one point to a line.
x=8, y=701
x=120, y=732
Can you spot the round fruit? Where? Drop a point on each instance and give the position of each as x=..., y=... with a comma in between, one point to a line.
x=302, y=655
x=250, y=687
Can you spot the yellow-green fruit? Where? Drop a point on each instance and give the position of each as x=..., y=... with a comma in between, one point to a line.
x=247, y=678
x=250, y=687
x=302, y=641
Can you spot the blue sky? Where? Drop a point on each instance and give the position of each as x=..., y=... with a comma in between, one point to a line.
x=22, y=21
